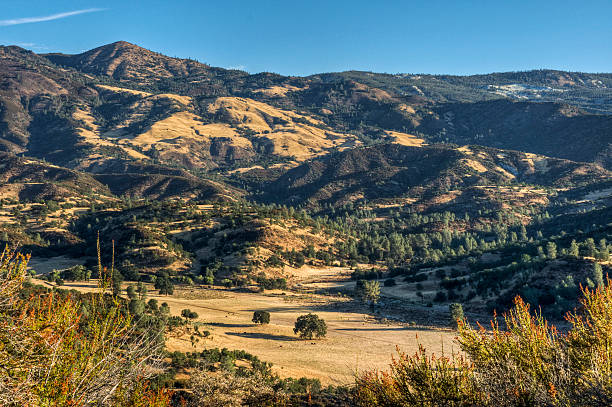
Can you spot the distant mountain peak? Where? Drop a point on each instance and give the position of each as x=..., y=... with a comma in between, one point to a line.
x=123, y=60
x=120, y=46
x=124, y=44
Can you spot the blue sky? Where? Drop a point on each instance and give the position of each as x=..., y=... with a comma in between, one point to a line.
x=301, y=38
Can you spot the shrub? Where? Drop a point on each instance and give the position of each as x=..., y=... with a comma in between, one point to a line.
x=365, y=275
x=308, y=325
x=420, y=380
x=152, y=304
x=68, y=349
x=261, y=317
x=271, y=283
x=456, y=314
x=189, y=314
x=527, y=363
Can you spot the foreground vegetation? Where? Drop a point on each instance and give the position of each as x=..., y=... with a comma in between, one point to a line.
x=522, y=361
x=64, y=348
x=61, y=349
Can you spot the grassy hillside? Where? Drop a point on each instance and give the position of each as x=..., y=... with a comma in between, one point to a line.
x=418, y=174
x=121, y=101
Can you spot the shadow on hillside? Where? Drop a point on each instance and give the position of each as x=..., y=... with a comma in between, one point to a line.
x=257, y=335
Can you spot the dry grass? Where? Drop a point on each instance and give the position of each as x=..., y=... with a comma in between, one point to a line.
x=290, y=133
x=475, y=165
x=405, y=139
x=355, y=341
x=91, y=134
x=277, y=91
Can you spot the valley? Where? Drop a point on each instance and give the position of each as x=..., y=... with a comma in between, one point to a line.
x=355, y=340
x=176, y=200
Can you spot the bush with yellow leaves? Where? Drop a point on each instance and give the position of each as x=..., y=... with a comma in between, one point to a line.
x=527, y=362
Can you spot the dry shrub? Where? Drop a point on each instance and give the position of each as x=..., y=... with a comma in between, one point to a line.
x=53, y=355
x=226, y=389
x=524, y=364
x=419, y=380
x=527, y=363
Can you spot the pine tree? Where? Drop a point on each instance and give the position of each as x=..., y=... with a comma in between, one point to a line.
x=551, y=250
x=573, y=250
x=598, y=275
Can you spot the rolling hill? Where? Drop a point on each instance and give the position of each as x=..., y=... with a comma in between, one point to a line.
x=121, y=101
x=391, y=171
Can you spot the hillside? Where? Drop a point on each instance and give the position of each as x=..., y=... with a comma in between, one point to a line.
x=127, y=62
x=27, y=180
x=121, y=101
x=363, y=153
x=586, y=90
x=416, y=174
x=120, y=132
x=552, y=129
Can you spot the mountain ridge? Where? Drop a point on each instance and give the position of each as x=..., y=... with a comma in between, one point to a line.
x=125, y=108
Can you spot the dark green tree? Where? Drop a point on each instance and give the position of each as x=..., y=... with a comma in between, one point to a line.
x=261, y=317
x=164, y=285
x=309, y=325
x=189, y=314
x=131, y=292
x=136, y=307
x=116, y=281
x=456, y=314
x=598, y=275
x=573, y=249
x=551, y=250
x=141, y=289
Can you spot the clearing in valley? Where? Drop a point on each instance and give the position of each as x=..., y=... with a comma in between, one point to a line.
x=355, y=341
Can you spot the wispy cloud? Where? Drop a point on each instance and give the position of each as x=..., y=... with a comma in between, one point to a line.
x=32, y=46
x=27, y=20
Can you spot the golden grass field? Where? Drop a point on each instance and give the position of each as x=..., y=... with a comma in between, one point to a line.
x=355, y=341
